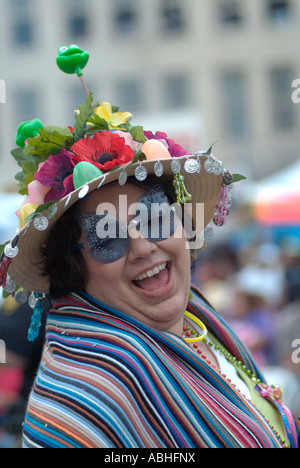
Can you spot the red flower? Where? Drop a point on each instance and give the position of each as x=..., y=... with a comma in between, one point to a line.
x=105, y=150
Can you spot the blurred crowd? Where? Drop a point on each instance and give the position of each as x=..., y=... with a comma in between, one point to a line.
x=255, y=288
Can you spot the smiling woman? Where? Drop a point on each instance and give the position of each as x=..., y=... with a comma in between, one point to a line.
x=134, y=356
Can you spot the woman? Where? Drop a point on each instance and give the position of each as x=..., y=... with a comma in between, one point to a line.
x=133, y=356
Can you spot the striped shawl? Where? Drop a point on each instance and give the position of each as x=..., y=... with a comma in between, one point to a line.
x=106, y=380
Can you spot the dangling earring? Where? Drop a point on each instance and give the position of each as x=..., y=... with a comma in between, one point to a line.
x=36, y=302
x=183, y=196
x=222, y=207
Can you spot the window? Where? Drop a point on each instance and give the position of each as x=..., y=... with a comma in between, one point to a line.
x=279, y=11
x=173, y=16
x=176, y=91
x=283, y=109
x=129, y=96
x=22, y=33
x=22, y=26
x=77, y=19
x=234, y=104
x=125, y=16
x=230, y=13
x=78, y=26
x=26, y=105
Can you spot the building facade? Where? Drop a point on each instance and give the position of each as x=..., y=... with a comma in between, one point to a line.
x=203, y=70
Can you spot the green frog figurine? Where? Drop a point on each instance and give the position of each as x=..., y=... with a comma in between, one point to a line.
x=72, y=59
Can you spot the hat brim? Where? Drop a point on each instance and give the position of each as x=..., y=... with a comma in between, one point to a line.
x=26, y=269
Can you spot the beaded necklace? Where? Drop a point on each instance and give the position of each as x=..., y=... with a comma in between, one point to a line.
x=190, y=335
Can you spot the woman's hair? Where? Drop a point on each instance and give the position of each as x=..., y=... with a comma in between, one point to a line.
x=63, y=263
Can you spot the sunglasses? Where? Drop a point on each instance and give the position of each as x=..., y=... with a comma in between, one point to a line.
x=108, y=239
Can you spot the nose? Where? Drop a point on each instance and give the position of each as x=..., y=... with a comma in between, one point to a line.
x=140, y=247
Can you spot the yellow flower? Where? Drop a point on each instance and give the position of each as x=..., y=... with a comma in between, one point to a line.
x=114, y=119
x=25, y=211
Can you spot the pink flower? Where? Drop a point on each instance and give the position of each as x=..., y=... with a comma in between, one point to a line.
x=37, y=192
x=129, y=141
x=174, y=149
x=56, y=175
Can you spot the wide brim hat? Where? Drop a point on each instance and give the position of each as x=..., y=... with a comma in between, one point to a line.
x=197, y=178
x=26, y=269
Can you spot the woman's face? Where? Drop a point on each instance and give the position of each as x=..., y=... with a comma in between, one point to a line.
x=160, y=299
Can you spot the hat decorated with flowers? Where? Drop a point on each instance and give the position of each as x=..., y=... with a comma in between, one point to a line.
x=59, y=166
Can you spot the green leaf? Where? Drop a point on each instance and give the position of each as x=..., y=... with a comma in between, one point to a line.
x=39, y=210
x=86, y=112
x=138, y=156
x=101, y=124
x=238, y=177
x=208, y=152
x=23, y=190
x=128, y=126
x=137, y=134
x=51, y=141
x=29, y=169
x=18, y=154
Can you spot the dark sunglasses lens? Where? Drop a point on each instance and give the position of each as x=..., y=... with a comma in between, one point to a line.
x=109, y=250
x=102, y=236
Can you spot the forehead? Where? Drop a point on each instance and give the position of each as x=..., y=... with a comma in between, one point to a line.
x=111, y=194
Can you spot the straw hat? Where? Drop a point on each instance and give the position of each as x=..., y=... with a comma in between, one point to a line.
x=62, y=166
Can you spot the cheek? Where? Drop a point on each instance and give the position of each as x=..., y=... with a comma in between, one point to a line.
x=179, y=242
x=103, y=274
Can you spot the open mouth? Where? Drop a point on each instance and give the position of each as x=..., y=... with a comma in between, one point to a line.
x=155, y=279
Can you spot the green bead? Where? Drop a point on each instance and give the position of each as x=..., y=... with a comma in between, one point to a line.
x=72, y=59
x=29, y=129
x=85, y=172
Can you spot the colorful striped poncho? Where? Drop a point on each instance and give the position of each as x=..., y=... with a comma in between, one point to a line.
x=108, y=381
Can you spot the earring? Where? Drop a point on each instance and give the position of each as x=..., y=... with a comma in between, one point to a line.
x=183, y=196
x=36, y=302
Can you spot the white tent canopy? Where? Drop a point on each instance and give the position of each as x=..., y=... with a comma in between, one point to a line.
x=283, y=183
x=286, y=181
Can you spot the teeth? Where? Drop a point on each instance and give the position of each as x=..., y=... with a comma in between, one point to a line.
x=150, y=273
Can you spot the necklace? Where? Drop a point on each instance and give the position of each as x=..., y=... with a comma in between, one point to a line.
x=192, y=336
